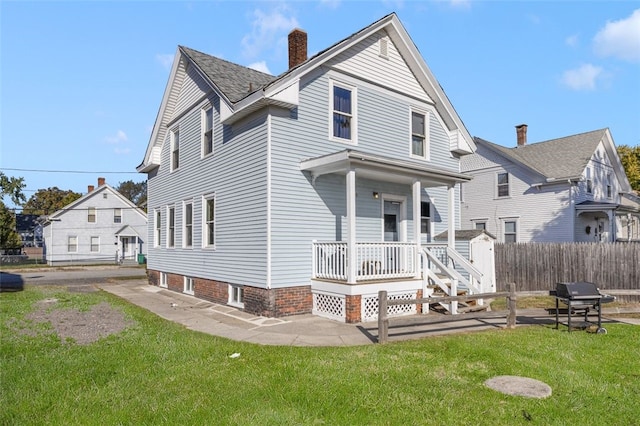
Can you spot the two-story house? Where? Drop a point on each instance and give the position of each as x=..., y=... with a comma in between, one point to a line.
x=570, y=189
x=102, y=226
x=309, y=191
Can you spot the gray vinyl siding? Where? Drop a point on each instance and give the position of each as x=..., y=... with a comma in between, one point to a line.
x=236, y=174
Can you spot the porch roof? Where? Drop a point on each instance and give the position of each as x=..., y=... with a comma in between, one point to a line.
x=381, y=167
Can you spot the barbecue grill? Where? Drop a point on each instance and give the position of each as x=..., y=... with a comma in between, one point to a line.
x=581, y=296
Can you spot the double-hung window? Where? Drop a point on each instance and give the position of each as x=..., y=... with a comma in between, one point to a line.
x=425, y=217
x=503, y=185
x=207, y=131
x=158, y=229
x=343, y=113
x=95, y=244
x=209, y=221
x=117, y=215
x=419, y=145
x=510, y=233
x=72, y=244
x=609, y=187
x=91, y=215
x=589, y=181
x=171, y=227
x=175, y=149
x=187, y=241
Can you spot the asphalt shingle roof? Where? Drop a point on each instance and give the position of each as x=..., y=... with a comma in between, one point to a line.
x=560, y=158
x=234, y=81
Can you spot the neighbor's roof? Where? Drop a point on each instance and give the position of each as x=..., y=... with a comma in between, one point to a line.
x=561, y=158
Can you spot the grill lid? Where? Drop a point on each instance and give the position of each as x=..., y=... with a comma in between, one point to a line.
x=578, y=290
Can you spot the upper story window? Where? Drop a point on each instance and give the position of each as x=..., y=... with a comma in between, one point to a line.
x=503, y=184
x=589, y=181
x=187, y=241
x=207, y=131
x=175, y=149
x=117, y=215
x=158, y=229
x=343, y=113
x=91, y=215
x=209, y=221
x=419, y=145
x=171, y=227
x=609, y=187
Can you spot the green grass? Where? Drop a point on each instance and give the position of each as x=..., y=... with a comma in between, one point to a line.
x=157, y=372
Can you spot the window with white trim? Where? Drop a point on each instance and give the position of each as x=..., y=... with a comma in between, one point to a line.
x=236, y=296
x=95, y=244
x=480, y=225
x=188, y=285
x=503, y=185
x=609, y=187
x=158, y=228
x=209, y=221
x=187, y=228
x=510, y=231
x=175, y=149
x=425, y=217
x=91, y=214
x=163, y=279
x=343, y=121
x=117, y=215
x=171, y=226
x=72, y=244
x=589, y=181
x=419, y=137
x=207, y=131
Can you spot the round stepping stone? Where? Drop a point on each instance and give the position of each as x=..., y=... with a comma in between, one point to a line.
x=519, y=386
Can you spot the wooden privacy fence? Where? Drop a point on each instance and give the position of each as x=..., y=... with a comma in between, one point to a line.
x=384, y=303
x=539, y=266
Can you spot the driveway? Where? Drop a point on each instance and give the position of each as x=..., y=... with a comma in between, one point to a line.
x=16, y=278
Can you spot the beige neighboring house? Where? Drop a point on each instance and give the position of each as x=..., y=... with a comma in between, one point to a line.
x=102, y=226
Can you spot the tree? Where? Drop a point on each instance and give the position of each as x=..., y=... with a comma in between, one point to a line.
x=135, y=192
x=47, y=201
x=630, y=158
x=12, y=187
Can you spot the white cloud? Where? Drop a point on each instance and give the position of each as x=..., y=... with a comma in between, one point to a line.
x=331, y=4
x=165, y=59
x=572, y=40
x=267, y=29
x=121, y=151
x=583, y=77
x=620, y=39
x=461, y=4
x=119, y=137
x=260, y=66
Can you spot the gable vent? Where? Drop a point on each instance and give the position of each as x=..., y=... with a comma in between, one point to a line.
x=383, y=46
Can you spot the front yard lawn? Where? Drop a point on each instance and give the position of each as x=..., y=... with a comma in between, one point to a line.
x=157, y=372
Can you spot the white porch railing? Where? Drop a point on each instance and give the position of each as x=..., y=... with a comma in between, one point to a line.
x=374, y=260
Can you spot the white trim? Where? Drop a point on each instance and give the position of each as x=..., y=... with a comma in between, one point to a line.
x=91, y=237
x=174, y=131
x=157, y=227
x=354, y=112
x=231, y=301
x=497, y=184
x=427, y=142
x=269, y=200
x=203, y=126
x=402, y=231
x=204, y=228
x=163, y=280
x=503, y=221
x=188, y=289
x=185, y=203
x=168, y=228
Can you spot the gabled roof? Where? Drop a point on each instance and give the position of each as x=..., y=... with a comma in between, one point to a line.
x=102, y=188
x=563, y=158
x=244, y=90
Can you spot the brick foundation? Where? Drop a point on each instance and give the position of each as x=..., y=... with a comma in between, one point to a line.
x=257, y=301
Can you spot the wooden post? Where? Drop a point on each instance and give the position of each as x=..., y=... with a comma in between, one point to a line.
x=383, y=321
x=511, y=303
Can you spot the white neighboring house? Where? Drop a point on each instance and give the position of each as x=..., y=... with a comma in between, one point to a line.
x=570, y=189
x=100, y=227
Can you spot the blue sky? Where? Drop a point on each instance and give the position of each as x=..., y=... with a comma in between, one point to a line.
x=81, y=81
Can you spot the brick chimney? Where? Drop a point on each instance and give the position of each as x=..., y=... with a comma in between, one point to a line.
x=100, y=181
x=90, y=188
x=297, y=47
x=521, y=132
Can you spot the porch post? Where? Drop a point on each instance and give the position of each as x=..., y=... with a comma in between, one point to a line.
x=417, y=198
x=351, y=227
x=451, y=192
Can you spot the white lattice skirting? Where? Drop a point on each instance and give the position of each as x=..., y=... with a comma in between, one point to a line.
x=330, y=306
x=333, y=306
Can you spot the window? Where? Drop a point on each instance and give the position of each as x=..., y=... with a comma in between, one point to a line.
x=609, y=190
x=207, y=131
x=91, y=215
x=117, y=215
x=425, y=217
x=236, y=295
x=188, y=285
x=171, y=227
x=481, y=225
x=158, y=228
x=209, y=219
x=95, y=244
x=510, y=235
x=175, y=149
x=72, y=244
x=163, y=279
x=589, y=181
x=418, y=135
x=343, y=115
x=188, y=225
x=503, y=184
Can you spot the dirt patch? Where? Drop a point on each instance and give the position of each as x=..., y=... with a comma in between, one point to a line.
x=73, y=325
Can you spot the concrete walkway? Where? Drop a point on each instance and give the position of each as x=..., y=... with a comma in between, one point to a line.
x=299, y=330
